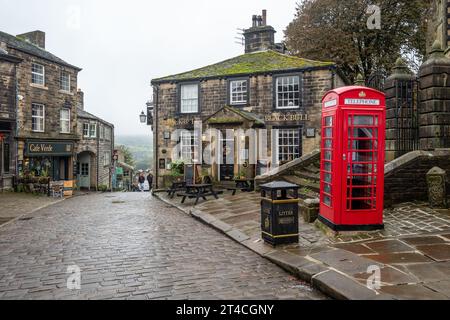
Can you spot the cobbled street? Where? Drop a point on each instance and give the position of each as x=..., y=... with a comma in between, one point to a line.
x=132, y=246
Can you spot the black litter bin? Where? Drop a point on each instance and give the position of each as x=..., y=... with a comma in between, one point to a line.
x=279, y=213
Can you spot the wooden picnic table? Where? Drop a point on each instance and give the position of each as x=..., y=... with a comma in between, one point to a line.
x=198, y=191
x=176, y=186
x=245, y=185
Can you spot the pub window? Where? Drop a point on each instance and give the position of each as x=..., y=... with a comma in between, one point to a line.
x=65, y=81
x=288, y=92
x=65, y=120
x=86, y=130
x=6, y=157
x=93, y=130
x=37, y=74
x=189, y=98
x=37, y=117
x=238, y=92
x=288, y=144
x=188, y=144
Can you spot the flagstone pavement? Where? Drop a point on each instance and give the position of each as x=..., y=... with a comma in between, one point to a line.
x=412, y=253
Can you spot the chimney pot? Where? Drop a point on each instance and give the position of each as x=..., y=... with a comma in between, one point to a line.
x=264, y=17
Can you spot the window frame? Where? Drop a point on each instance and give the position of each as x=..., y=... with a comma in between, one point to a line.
x=33, y=117
x=61, y=81
x=193, y=145
x=276, y=78
x=299, y=131
x=86, y=125
x=180, y=98
x=106, y=158
x=68, y=120
x=33, y=73
x=92, y=125
x=230, y=92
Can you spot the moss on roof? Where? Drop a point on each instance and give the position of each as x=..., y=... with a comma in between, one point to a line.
x=250, y=63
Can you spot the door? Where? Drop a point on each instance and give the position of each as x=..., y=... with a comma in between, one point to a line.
x=85, y=178
x=227, y=159
x=363, y=163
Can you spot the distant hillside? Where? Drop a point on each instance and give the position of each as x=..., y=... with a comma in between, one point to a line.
x=141, y=147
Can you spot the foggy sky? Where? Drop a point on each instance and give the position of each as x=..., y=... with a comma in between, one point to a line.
x=122, y=45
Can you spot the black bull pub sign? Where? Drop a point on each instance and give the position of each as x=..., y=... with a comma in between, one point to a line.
x=43, y=148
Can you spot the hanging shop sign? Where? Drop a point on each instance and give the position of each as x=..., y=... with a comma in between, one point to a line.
x=44, y=148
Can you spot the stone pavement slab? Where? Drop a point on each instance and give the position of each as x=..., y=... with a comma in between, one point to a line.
x=413, y=292
x=16, y=205
x=437, y=252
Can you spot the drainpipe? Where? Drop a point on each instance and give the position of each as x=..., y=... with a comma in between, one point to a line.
x=16, y=129
x=98, y=153
x=155, y=136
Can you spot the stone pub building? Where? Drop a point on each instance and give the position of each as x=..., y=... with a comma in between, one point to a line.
x=265, y=88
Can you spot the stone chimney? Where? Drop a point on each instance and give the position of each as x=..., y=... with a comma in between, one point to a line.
x=80, y=99
x=35, y=37
x=260, y=36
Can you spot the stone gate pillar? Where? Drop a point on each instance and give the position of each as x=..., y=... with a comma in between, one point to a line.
x=434, y=119
x=401, y=111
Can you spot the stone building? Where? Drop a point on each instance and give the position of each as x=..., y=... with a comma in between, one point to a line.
x=261, y=89
x=8, y=102
x=46, y=108
x=94, y=150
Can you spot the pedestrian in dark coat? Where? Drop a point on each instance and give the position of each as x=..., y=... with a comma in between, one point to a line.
x=150, y=180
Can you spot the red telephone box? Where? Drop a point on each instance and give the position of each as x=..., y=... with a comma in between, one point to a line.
x=352, y=159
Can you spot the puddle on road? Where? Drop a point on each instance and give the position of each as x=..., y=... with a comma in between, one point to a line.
x=118, y=202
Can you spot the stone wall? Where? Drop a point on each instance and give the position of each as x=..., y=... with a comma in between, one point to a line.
x=8, y=86
x=405, y=177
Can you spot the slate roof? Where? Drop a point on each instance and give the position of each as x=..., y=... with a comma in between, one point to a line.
x=27, y=47
x=86, y=115
x=250, y=63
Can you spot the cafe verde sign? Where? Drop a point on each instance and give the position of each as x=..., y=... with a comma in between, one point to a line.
x=43, y=148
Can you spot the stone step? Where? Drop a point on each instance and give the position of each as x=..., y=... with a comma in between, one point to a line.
x=314, y=177
x=303, y=183
x=312, y=168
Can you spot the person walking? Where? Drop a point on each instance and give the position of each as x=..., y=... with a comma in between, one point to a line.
x=141, y=182
x=150, y=181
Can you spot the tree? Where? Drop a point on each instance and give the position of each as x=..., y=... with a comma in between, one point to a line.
x=336, y=30
x=128, y=156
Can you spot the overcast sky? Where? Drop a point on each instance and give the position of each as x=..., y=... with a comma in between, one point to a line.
x=122, y=45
